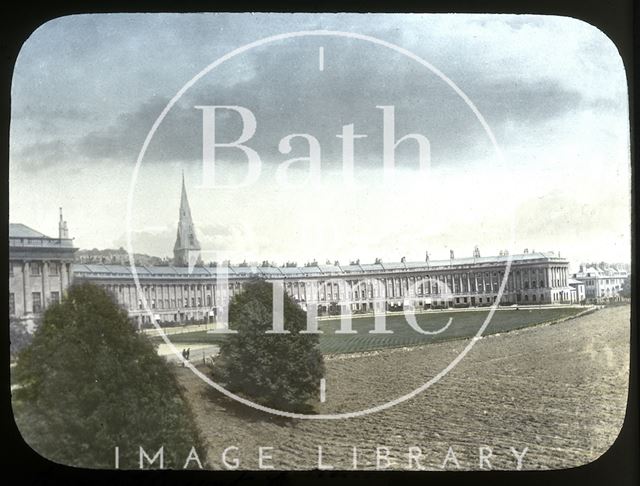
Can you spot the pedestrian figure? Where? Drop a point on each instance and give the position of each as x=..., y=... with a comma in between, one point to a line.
x=188, y=353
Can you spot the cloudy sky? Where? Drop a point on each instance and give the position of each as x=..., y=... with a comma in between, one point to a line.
x=87, y=90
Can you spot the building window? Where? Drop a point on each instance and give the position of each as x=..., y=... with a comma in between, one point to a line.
x=37, y=302
x=53, y=269
x=35, y=269
x=12, y=304
x=55, y=297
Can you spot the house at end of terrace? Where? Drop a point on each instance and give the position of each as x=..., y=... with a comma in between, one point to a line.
x=40, y=270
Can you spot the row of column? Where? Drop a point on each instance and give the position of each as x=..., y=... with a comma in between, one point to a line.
x=45, y=288
x=173, y=296
x=457, y=283
x=201, y=295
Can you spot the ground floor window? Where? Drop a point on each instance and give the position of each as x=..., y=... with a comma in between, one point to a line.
x=37, y=301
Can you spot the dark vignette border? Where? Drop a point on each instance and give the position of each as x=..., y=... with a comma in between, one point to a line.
x=619, y=465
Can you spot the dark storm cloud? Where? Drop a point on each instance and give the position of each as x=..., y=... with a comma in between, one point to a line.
x=126, y=68
x=45, y=154
x=288, y=94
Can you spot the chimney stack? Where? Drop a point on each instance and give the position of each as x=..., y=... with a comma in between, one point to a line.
x=63, y=230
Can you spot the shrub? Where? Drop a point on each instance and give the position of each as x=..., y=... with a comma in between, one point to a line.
x=19, y=336
x=281, y=371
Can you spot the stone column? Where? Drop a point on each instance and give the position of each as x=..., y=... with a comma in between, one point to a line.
x=64, y=278
x=46, y=291
x=26, y=288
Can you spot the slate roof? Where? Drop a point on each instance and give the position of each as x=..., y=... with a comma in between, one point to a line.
x=143, y=271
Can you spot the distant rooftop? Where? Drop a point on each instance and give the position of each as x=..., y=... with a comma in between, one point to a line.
x=601, y=272
x=147, y=271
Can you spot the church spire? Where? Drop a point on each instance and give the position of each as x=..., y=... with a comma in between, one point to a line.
x=186, y=240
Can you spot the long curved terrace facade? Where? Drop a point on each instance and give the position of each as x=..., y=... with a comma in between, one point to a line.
x=178, y=294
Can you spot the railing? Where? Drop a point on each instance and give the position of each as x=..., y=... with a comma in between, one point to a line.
x=41, y=242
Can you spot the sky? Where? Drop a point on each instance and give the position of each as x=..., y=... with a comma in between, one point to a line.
x=87, y=90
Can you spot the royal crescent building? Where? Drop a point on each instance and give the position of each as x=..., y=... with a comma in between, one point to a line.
x=184, y=292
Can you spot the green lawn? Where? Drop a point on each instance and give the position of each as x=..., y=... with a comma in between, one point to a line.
x=465, y=324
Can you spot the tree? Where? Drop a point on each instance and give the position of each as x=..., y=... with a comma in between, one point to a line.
x=281, y=371
x=625, y=290
x=90, y=383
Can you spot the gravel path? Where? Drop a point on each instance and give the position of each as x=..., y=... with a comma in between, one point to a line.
x=559, y=390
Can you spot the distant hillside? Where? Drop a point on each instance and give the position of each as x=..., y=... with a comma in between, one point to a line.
x=119, y=257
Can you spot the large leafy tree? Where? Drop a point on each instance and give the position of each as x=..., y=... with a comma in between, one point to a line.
x=88, y=383
x=282, y=371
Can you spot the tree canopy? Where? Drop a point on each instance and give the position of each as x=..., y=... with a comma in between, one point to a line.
x=90, y=383
x=282, y=371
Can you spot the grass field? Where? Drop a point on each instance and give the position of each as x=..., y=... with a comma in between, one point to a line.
x=465, y=324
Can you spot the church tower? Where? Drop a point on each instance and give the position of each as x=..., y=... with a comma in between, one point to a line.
x=186, y=241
